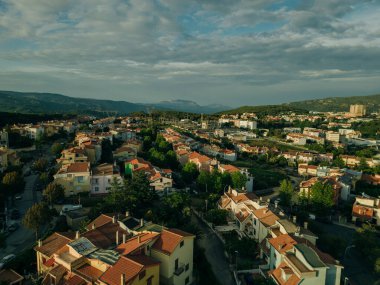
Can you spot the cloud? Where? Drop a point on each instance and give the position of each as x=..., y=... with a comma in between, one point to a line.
x=158, y=47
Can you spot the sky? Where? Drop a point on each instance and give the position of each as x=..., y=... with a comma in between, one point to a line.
x=230, y=52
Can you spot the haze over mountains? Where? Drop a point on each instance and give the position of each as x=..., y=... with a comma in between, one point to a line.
x=56, y=103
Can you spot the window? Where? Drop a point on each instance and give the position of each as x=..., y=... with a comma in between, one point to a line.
x=149, y=280
x=187, y=267
x=176, y=264
x=254, y=221
x=96, y=189
x=80, y=179
x=142, y=274
x=187, y=280
x=181, y=244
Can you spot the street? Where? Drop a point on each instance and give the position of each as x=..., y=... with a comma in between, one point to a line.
x=214, y=251
x=22, y=238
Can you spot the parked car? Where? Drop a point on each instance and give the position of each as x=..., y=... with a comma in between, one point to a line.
x=18, y=197
x=13, y=227
x=7, y=259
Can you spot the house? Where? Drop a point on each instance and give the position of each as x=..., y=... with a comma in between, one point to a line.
x=201, y=161
x=124, y=153
x=8, y=157
x=102, y=178
x=371, y=179
x=10, y=277
x=110, y=252
x=74, y=177
x=366, y=208
x=296, y=138
x=134, y=144
x=307, y=170
x=4, y=140
x=333, y=136
x=93, y=151
x=72, y=155
x=306, y=186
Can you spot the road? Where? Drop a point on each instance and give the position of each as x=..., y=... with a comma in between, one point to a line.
x=214, y=251
x=354, y=268
x=22, y=238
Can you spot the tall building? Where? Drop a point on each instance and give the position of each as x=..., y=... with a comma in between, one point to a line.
x=358, y=110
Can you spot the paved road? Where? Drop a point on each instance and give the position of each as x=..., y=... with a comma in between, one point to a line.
x=22, y=238
x=214, y=251
x=354, y=269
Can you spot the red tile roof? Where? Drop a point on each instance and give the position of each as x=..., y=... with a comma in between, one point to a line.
x=52, y=244
x=169, y=240
x=133, y=244
x=125, y=266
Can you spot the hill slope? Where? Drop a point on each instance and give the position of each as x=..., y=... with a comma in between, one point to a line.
x=32, y=103
x=334, y=104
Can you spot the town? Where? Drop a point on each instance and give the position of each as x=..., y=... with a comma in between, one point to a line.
x=175, y=198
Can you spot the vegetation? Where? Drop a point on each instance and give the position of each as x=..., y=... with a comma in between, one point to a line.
x=322, y=198
x=287, y=192
x=217, y=216
x=107, y=155
x=53, y=193
x=189, y=172
x=35, y=217
x=12, y=183
x=367, y=243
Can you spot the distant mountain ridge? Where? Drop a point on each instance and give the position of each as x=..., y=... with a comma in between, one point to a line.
x=33, y=102
x=331, y=104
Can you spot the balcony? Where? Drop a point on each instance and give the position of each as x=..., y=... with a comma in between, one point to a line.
x=179, y=270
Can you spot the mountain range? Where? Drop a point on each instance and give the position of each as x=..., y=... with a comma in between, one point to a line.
x=48, y=103
x=28, y=102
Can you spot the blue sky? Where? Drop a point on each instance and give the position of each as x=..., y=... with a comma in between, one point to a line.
x=232, y=52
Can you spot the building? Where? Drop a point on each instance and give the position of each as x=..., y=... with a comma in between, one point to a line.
x=10, y=277
x=366, y=209
x=75, y=178
x=4, y=140
x=298, y=139
x=358, y=110
x=72, y=155
x=332, y=136
x=8, y=157
x=124, y=153
x=117, y=252
x=102, y=178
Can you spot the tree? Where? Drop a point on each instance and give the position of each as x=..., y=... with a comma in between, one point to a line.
x=189, y=172
x=175, y=210
x=338, y=162
x=203, y=180
x=286, y=192
x=368, y=244
x=217, y=216
x=54, y=192
x=322, y=197
x=44, y=178
x=40, y=165
x=107, y=156
x=56, y=149
x=238, y=180
x=13, y=183
x=363, y=165
x=35, y=217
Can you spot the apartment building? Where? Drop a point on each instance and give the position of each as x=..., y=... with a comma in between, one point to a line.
x=102, y=177
x=72, y=155
x=75, y=178
x=366, y=209
x=333, y=136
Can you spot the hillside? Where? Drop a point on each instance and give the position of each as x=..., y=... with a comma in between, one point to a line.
x=38, y=103
x=335, y=104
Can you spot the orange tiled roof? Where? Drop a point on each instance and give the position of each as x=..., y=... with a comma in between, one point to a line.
x=292, y=278
x=133, y=244
x=282, y=243
x=125, y=266
x=362, y=211
x=52, y=244
x=90, y=271
x=100, y=221
x=169, y=240
x=79, y=167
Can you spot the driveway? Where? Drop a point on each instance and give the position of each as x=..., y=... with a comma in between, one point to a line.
x=214, y=251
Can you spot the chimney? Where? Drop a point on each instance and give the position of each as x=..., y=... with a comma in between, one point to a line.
x=113, y=219
x=276, y=204
x=141, y=222
x=294, y=219
x=39, y=242
x=127, y=214
x=139, y=239
x=77, y=235
x=93, y=226
x=117, y=237
x=122, y=279
x=229, y=189
x=124, y=238
x=261, y=198
x=305, y=224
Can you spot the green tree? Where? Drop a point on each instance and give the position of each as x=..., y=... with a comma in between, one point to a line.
x=107, y=155
x=286, y=192
x=13, y=183
x=175, y=210
x=189, y=172
x=40, y=165
x=56, y=149
x=322, y=197
x=203, y=181
x=367, y=243
x=217, y=216
x=44, y=179
x=363, y=165
x=35, y=217
x=338, y=162
x=238, y=180
x=53, y=193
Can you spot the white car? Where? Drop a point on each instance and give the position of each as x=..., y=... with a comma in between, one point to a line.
x=7, y=259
